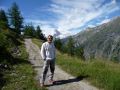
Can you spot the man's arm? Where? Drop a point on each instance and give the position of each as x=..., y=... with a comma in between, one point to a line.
x=54, y=51
x=43, y=52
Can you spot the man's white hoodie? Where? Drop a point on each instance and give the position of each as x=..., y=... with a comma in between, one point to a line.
x=48, y=51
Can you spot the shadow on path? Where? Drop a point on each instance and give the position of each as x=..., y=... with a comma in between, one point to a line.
x=60, y=82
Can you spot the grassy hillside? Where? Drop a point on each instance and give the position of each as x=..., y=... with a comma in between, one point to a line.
x=21, y=75
x=37, y=42
x=16, y=73
x=102, y=73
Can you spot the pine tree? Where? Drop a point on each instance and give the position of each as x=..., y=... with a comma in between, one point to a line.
x=58, y=43
x=29, y=30
x=3, y=19
x=16, y=19
x=70, y=46
x=79, y=52
x=38, y=32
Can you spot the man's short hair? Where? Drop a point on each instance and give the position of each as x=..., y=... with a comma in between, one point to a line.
x=50, y=36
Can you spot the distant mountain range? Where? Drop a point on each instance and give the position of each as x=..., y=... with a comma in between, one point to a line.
x=101, y=41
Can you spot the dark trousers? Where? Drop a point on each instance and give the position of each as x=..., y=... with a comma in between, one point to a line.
x=47, y=64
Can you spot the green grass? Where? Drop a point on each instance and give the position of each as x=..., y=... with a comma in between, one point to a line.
x=101, y=73
x=21, y=76
x=37, y=42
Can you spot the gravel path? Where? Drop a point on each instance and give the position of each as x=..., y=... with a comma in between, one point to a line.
x=63, y=81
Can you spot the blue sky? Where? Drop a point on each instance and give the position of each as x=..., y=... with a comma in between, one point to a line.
x=67, y=16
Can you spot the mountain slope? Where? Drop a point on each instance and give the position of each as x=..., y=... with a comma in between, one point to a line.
x=101, y=41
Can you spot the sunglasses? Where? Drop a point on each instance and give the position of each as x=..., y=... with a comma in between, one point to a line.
x=50, y=38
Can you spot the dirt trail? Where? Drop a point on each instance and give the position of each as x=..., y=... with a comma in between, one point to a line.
x=63, y=81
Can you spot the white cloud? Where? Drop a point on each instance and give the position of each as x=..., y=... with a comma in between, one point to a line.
x=47, y=30
x=91, y=26
x=74, y=14
x=104, y=21
x=36, y=22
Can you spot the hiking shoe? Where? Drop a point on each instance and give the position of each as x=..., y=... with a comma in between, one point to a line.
x=51, y=81
x=41, y=84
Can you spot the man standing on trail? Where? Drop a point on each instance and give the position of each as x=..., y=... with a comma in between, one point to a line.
x=48, y=55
